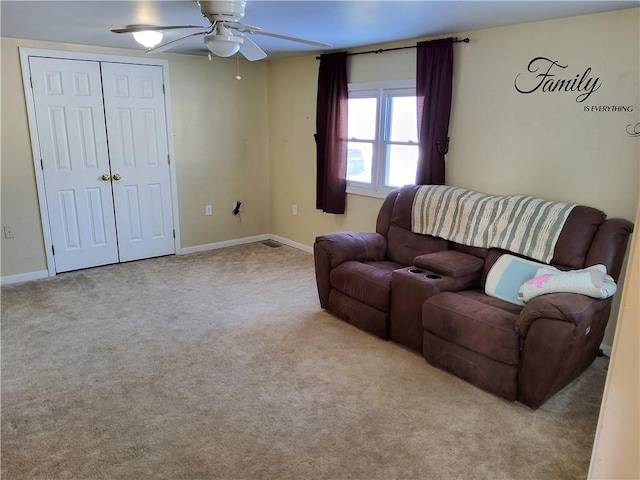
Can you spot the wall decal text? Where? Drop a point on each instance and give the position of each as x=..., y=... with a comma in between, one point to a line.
x=543, y=76
x=608, y=108
x=634, y=130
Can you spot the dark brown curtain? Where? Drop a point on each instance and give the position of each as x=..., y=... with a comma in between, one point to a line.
x=433, y=90
x=331, y=133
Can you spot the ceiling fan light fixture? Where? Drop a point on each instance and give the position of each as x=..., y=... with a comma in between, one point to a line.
x=223, y=45
x=148, y=38
x=223, y=9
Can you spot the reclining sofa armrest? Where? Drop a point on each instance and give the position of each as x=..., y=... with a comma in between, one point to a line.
x=560, y=334
x=565, y=307
x=344, y=246
x=332, y=249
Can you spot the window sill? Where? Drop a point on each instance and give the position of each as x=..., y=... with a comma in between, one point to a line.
x=368, y=192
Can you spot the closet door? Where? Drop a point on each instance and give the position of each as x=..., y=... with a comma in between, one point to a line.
x=73, y=145
x=138, y=149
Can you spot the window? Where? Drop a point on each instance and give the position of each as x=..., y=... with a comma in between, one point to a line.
x=383, y=137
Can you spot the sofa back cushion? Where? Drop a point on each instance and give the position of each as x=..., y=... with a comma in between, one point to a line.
x=403, y=206
x=475, y=251
x=609, y=245
x=403, y=245
x=572, y=249
x=576, y=237
x=383, y=222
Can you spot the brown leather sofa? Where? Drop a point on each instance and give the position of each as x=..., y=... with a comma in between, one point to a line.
x=427, y=294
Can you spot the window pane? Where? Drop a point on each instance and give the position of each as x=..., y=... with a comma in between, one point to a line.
x=362, y=118
x=402, y=161
x=403, y=122
x=359, y=161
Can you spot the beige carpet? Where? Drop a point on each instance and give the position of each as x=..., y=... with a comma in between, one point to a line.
x=223, y=365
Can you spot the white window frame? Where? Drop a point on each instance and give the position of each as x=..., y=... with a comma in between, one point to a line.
x=381, y=91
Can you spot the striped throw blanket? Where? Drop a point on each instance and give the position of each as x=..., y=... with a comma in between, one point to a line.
x=525, y=225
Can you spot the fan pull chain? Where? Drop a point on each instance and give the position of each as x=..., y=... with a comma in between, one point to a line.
x=238, y=77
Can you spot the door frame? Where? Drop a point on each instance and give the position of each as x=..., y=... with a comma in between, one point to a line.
x=25, y=53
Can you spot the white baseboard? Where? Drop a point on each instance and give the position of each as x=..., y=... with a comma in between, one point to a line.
x=24, y=277
x=27, y=277
x=224, y=244
x=291, y=243
x=606, y=349
x=242, y=241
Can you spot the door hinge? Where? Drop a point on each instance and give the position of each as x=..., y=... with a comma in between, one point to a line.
x=31, y=82
x=53, y=250
x=169, y=159
x=174, y=233
x=41, y=164
x=163, y=91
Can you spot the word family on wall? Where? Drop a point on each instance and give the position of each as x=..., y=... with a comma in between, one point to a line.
x=545, y=75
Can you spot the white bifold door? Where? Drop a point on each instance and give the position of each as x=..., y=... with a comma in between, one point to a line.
x=103, y=141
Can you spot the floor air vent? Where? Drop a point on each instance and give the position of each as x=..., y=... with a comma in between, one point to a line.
x=271, y=243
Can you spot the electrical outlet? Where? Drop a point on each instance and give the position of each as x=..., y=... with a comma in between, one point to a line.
x=294, y=209
x=208, y=210
x=8, y=232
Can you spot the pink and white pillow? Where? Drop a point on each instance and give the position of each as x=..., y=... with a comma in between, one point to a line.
x=592, y=281
x=517, y=280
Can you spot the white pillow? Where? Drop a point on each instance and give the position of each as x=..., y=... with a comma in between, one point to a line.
x=506, y=276
x=591, y=281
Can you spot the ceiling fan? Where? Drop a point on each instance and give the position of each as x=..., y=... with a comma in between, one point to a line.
x=224, y=36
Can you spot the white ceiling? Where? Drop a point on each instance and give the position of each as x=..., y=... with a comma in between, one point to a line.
x=343, y=24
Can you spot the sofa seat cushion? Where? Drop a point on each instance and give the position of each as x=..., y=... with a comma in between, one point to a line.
x=481, y=297
x=474, y=321
x=368, y=282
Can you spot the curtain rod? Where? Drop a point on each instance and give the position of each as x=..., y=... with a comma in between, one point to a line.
x=380, y=50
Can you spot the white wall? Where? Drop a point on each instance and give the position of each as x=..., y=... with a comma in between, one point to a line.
x=545, y=144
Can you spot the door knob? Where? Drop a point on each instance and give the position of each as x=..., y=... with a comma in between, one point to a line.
x=116, y=176
x=105, y=177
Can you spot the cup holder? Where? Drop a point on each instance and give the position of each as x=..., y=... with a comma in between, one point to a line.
x=432, y=276
x=415, y=270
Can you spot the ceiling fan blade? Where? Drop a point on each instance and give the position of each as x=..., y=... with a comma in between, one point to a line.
x=251, y=51
x=177, y=41
x=243, y=27
x=292, y=39
x=158, y=28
